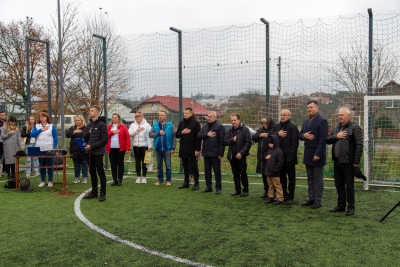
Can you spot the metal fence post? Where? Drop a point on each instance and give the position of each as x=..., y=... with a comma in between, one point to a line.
x=267, y=89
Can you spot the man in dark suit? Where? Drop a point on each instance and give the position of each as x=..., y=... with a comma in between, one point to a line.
x=212, y=134
x=347, y=148
x=289, y=142
x=239, y=141
x=314, y=132
x=190, y=146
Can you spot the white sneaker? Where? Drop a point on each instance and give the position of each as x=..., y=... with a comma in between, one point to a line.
x=49, y=184
x=76, y=180
x=84, y=180
x=27, y=175
x=191, y=180
x=42, y=184
x=138, y=180
x=37, y=174
x=144, y=180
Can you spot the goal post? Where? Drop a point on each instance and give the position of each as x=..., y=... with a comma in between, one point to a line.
x=381, y=140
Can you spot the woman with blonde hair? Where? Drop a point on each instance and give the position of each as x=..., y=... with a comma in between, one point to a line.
x=11, y=144
x=30, y=142
x=117, y=145
x=79, y=157
x=47, y=139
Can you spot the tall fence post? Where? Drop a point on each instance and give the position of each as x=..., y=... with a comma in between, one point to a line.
x=28, y=80
x=267, y=89
x=105, y=82
x=370, y=93
x=180, y=79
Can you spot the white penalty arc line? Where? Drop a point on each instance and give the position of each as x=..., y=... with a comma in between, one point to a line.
x=79, y=214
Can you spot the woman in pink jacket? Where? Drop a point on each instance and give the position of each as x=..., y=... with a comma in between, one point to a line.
x=118, y=144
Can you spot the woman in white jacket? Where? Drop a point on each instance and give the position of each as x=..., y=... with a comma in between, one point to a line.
x=141, y=142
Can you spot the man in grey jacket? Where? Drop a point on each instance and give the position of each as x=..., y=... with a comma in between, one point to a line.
x=347, y=148
x=212, y=134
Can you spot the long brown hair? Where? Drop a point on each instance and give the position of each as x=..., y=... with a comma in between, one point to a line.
x=29, y=127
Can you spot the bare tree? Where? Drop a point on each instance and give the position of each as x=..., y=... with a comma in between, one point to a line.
x=89, y=65
x=352, y=71
x=69, y=33
x=13, y=61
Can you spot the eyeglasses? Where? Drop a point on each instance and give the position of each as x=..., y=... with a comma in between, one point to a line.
x=138, y=116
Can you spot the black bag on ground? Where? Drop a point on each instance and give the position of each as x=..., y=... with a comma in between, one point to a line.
x=10, y=183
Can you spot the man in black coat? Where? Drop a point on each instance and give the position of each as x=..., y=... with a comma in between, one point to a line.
x=190, y=146
x=96, y=138
x=261, y=137
x=347, y=148
x=289, y=142
x=212, y=134
x=239, y=141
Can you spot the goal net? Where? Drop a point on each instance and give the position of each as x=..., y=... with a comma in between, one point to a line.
x=382, y=140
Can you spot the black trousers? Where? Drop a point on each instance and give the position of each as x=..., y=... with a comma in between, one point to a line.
x=117, y=163
x=265, y=182
x=212, y=163
x=239, y=170
x=288, y=172
x=96, y=167
x=344, y=183
x=10, y=170
x=193, y=166
x=139, y=159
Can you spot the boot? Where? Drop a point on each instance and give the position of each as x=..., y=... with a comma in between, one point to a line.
x=196, y=186
x=265, y=195
x=184, y=185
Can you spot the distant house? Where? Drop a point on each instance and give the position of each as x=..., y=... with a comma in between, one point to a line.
x=124, y=111
x=151, y=106
x=320, y=97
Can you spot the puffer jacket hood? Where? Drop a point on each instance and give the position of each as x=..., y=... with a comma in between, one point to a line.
x=140, y=139
x=274, y=139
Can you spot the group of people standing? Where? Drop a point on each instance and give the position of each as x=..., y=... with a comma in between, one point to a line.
x=277, y=156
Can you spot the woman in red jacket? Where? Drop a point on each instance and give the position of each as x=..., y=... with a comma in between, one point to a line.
x=118, y=144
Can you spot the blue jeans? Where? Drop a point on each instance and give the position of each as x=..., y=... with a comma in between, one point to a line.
x=166, y=156
x=50, y=171
x=30, y=160
x=80, y=164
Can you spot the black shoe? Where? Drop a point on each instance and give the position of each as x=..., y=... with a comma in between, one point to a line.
x=114, y=183
x=184, y=185
x=119, y=182
x=236, y=193
x=337, y=208
x=208, y=189
x=277, y=202
x=316, y=205
x=350, y=211
x=288, y=202
x=244, y=194
x=90, y=195
x=195, y=187
x=269, y=200
x=309, y=202
x=217, y=192
x=265, y=195
x=102, y=197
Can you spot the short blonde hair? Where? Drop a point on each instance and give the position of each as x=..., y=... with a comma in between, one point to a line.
x=82, y=119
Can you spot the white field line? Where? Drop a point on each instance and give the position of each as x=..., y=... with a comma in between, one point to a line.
x=81, y=217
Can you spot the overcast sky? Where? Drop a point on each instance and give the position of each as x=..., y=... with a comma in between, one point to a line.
x=146, y=16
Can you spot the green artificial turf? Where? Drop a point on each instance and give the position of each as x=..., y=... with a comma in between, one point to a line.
x=40, y=228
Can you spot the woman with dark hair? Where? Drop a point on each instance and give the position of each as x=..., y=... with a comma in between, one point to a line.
x=117, y=145
x=261, y=137
x=79, y=157
x=11, y=144
x=30, y=142
x=47, y=139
